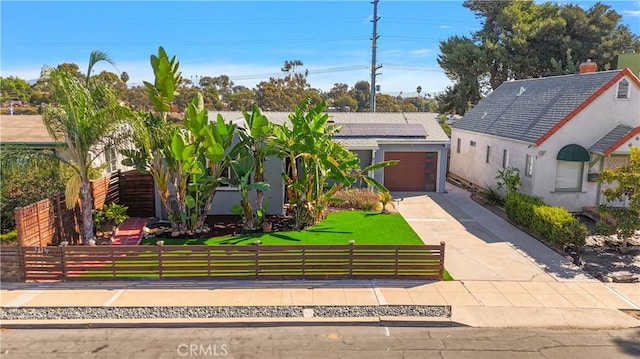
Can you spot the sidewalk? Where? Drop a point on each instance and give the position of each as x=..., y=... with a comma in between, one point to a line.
x=473, y=303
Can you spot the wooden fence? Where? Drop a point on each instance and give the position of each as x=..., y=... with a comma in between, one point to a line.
x=137, y=191
x=49, y=221
x=11, y=265
x=233, y=262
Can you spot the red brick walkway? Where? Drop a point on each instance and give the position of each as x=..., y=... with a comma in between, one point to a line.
x=129, y=232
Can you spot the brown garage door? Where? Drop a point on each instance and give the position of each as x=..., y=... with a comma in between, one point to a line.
x=416, y=171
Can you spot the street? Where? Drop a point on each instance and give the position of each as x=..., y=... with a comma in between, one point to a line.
x=318, y=342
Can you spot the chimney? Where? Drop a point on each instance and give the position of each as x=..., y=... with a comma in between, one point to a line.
x=588, y=66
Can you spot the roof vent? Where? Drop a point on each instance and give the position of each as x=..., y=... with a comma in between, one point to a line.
x=588, y=66
x=484, y=114
x=522, y=90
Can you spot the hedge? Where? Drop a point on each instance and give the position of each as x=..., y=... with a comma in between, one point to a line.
x=554, y=224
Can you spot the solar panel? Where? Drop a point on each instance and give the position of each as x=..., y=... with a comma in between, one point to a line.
x=391, y=130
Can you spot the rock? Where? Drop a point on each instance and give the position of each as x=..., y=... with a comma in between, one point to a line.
x=625, y=278
x=630, y=250
x=175, y=233
x=146, y=229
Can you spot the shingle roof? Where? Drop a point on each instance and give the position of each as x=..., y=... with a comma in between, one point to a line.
x=528, y=109
x=610, y=139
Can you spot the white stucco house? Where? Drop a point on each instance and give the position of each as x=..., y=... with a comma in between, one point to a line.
x=415, y=139
x=560, y=132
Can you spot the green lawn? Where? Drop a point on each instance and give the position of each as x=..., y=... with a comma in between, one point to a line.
x=338, y=228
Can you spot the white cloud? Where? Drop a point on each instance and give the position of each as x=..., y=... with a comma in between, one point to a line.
x=421, y=52
x=632, y=13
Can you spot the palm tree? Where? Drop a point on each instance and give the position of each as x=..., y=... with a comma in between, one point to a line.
x=87, y=117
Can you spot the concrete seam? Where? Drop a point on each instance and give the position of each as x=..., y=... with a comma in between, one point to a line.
x=113, y=298
x=621, y=296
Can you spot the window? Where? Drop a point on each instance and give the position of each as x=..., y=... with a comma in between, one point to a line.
x=623, y=90
x=528, y=166
x=505, y=158
x=569, y=176
x=111, y=159
x=472, y=143
x=458, y=146
x=488, y=154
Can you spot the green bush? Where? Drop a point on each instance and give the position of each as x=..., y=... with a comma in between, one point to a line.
x=8, y=237
x=357, y=198
x=604, y=229
x=520, y=207
x=554, y=224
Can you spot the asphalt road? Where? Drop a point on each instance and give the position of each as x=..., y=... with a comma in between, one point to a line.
x=318, y=342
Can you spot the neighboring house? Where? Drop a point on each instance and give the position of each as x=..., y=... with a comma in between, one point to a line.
x=29, y=132
x=560, y=132
x=416, y=139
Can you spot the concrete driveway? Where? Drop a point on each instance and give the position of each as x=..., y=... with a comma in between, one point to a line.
x=479, y=244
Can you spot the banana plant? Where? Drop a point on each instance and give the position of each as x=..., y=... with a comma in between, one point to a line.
x=257, y=139
x=242, y=167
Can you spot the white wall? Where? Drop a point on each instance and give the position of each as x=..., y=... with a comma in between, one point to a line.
x=471, y=163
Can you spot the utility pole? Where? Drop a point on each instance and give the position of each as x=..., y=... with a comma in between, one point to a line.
x=374, y=48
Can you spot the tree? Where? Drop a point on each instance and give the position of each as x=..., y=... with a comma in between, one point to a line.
x=337, y=91
x=361, y=92
x=86, y=117
x=346, y=101
x=12, y=87
x=282, y=94
x=526, y=39
x=242, y=99
x=28, y=176
x=387, y=103
x=626, y=184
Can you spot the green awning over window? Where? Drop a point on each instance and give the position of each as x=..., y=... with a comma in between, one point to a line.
x=573, y=152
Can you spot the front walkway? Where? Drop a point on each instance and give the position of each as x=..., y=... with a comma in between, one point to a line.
x=479, y=244
x=129, y=232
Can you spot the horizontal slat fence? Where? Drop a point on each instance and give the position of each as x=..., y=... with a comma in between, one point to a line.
x=234, y=262
x=11, y=268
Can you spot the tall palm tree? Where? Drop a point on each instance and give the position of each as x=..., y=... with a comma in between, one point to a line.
x=87, y=117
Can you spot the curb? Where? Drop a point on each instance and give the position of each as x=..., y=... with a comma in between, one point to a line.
x=385, y=321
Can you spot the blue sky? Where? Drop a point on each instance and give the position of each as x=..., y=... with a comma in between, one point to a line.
x=248, y=41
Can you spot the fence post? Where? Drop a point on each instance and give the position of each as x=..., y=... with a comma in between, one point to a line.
x=22, y=268
x=441, y=264
x=256, y=258
x=19, y=218
x=63, y=263
x=351, y=243
x=160, y=265
x=58, y=211
x=38, y=219
x=395, y=272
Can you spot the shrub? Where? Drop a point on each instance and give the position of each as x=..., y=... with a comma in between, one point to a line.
x=520, y=207
x=492, y=196
x=554, y=224
x=357, y=198
x=604, y=229
x=8, y=237
x=112, y=214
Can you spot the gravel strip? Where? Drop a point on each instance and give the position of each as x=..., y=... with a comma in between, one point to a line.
x=383, y=310
x=62, y=313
